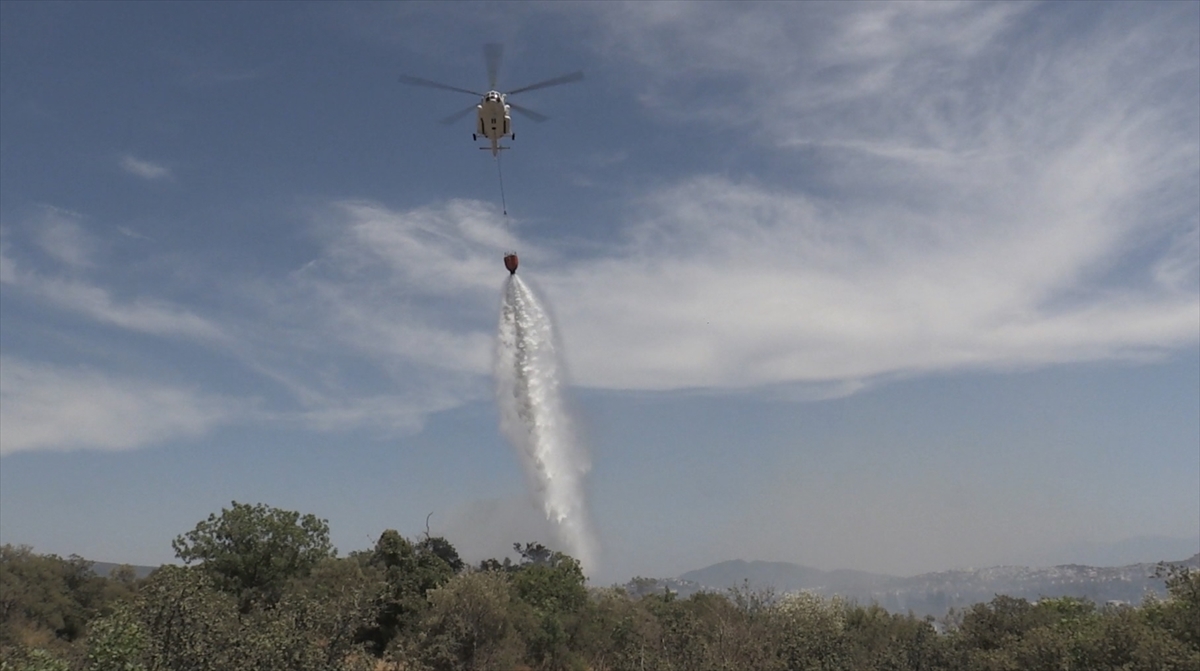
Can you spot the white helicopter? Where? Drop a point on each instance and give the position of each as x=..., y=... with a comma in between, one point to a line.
x=494, y=122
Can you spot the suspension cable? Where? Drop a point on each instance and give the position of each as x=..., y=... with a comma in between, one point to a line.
x=500, y=173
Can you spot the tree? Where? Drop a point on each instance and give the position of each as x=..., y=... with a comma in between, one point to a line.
x=554, y=585
x=339, y=599
x=33, y=660
x=442, y=549
x=472, y=624
x=617, y=632
x=548, y=580
x=812, y=632
x=994, y=625
x=1180, y=613
x=189, y=624
x=877, y=639
x=116, y=642
x=253, y=551
x=410, y=572
x=46, y=593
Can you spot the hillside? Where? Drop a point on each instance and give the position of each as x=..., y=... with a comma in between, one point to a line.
x=929, y=593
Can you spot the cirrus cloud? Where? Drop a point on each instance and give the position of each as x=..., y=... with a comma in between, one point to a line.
x=148, y=170
x=50, y=407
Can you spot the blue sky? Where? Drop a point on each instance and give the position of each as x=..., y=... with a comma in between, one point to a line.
x=894, y=287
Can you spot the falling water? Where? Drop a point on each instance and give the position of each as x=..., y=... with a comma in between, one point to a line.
x=535, y=421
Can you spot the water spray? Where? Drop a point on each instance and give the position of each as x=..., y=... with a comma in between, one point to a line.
x=535, y=421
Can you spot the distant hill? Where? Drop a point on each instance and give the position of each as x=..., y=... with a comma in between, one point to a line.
x=104, y=569
x=929, y=593
x=782, y=576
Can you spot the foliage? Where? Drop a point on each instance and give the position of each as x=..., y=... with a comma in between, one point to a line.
x=191, y=625
x=116, y=642
x=549, y=581
x=552, y=584
x=413, y=605
x=46, y=604
x=473, y=624
x=1180, y=614
x=409, y=572
x=35, y=659
x=253, y=551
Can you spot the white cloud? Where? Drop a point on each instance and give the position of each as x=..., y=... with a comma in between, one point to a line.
x=983, y=182
x=144, y=315
x=144, y=169
x=926, y=85
x=989, y=196
x=391, y=322
x=724, y=285
x=1179, y=268
x=58, y=233
x=412, y=289
x=8, y=265
x=731, y=285
x=984, y=187
x=46, y=407
x=369, y=334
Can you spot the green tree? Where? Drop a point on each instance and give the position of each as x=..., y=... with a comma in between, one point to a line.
x=472, y=624
x=45, y=597
x=1180, y=613
x=116, y=642
x=442, y=549
x=36, y=659
x=339, y=599
x=553, y=584
x=548, y=580
x=409, y=571
x=253, y=551
x=616, y=632
x=676, y=641
x=997, y=624
x=190, y=625
x=812, y=632
x=877, y=639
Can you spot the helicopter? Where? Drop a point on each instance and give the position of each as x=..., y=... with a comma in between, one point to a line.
x=494, y=123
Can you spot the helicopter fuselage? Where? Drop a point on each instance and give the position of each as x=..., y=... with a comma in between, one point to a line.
x=495, y=122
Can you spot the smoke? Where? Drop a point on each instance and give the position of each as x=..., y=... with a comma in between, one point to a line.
x=535, y=421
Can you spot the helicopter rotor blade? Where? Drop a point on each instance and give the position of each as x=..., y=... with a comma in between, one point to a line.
x=458, y=115
x=564, y=79
x=529, y=114
x=492, y=53
x=417, y=81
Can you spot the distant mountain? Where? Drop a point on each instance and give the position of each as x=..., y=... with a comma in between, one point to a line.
x=105, y=569
x=1128, y=551
x=782, y=576
x=936, y=593
x=926, y=594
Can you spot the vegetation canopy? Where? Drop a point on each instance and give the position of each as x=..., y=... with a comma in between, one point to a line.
x=263, y=589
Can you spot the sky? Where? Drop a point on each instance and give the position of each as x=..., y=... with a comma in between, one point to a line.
x=891, y=287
